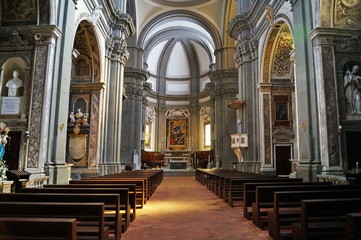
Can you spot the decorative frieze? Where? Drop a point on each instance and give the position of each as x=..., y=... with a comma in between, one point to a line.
x=177, y=113
x=226, y=91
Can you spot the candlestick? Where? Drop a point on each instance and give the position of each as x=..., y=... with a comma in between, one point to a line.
x=356, y=166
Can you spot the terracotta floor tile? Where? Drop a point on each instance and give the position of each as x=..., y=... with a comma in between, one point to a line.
x=183, y=209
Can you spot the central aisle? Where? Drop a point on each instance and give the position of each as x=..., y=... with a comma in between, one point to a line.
x=183, y=209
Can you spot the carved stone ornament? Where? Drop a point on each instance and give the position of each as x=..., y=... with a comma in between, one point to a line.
x=177, y=113
x=150, y=115
x=12, y=38
x=270, y=14
x=77, y=146
x=94, y=17
x=205, y=113
x=348, y=13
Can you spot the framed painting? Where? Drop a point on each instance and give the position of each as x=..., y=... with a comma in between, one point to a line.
x=177, y=134
x=281, y=111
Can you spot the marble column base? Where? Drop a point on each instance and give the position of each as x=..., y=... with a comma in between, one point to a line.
x=268, y=171
x=337, y=171
x=58, y=174
x=308, y=171
x=249, y=167
x=109, y=168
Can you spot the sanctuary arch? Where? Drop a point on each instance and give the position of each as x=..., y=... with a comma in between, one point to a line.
x=85, y=100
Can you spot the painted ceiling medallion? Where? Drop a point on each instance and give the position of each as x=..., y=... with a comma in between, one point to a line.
x=350, y=3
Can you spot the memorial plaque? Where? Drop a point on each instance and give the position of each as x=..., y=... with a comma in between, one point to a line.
x=10, y=105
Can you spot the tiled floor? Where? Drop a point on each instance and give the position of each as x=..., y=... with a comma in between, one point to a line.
x=183, y=209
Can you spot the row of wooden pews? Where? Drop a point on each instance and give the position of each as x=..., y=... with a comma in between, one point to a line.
x=292, y=209
x=100, y=208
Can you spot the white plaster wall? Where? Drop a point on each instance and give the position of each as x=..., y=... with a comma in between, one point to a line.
x=177, y=87
x=178, y=64
x=153, y=57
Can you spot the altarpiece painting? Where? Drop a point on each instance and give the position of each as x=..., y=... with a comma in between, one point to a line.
x=177, y=134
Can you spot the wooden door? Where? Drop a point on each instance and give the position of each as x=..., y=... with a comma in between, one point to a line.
x=282, y=158
x=353, y=143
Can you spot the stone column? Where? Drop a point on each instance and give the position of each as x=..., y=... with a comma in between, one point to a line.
x=39, y=122
x=306, y=106
x=246, y=62
x=56, y=167
x=225, y=124
x=133, y=111
x=324, y=58
x=117, y=56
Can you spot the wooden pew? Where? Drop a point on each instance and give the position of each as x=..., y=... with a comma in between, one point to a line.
x=131, y=187
x=111, y=203
x=122, y=192
x=286, y=208
x=265, y=194
x=353, y=226
x=141, y=189
x=86, y=214
x=151, y=177
x=15, y=228
x=249, y=193
x=236, y=186
x=324, y=218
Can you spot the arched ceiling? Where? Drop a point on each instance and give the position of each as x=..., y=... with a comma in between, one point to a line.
x=212, y=10
x=180, y=3
x=179, y=38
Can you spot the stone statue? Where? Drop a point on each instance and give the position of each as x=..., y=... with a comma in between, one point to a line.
x=85, y=120
x=72, y=119
x=3, y=139
x=13, y=84
x=352, y=88
x=78, y=117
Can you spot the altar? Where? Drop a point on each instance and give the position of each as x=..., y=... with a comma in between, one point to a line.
x=177, y=164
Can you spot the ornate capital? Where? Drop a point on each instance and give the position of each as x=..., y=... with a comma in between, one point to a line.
x=136, y=74
x=117, y=49
x=134, y=91
x=246, y=50
x=238, y=24
x=124, y=23
x=46, y=34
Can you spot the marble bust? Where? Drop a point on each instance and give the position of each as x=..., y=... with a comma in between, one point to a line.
x=13, y=84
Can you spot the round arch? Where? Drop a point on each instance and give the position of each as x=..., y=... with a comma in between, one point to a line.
x=281, y=23
x=180, y=15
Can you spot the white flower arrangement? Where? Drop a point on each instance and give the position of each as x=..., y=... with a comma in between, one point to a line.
x=3, y=169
